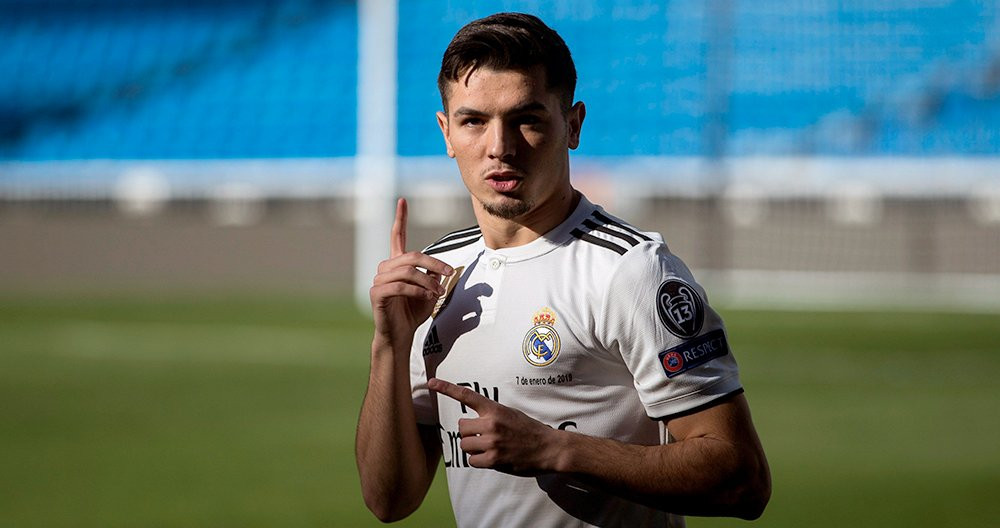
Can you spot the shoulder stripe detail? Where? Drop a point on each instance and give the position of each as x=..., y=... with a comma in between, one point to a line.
x=464, y=231
x=606, y=220
x=598, y=227
x=437, y=248
x=598, y=241
x=455, y=235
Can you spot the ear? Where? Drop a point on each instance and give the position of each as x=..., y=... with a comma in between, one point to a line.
x=443, y=125
x=574, y=119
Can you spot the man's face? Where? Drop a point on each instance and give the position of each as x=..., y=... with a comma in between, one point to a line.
x=511, y=140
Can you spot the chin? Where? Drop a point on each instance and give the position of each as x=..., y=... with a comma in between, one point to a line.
x=507, y=208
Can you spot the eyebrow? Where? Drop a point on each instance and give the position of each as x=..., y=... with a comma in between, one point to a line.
x=533, y=106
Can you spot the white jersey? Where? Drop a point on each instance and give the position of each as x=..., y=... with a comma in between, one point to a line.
x=594, y=327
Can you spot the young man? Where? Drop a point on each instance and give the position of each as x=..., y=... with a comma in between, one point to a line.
x=564, y=364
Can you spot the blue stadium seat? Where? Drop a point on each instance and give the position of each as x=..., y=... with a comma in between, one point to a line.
x=262, y=78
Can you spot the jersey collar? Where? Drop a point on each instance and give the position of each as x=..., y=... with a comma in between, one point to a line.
x=556, y=237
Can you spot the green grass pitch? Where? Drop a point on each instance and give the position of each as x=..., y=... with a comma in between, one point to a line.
x=180, y=412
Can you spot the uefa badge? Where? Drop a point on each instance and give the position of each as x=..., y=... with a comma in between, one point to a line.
x=673, y=362
x=541, y=344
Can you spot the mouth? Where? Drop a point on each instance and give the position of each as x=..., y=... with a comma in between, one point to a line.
x=503, y=180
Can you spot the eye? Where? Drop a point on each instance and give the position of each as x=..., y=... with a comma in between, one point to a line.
x=529, y=120
x=471, y=122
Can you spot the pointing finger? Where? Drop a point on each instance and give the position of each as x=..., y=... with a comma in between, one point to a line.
x=468, y=397
x=397, y=240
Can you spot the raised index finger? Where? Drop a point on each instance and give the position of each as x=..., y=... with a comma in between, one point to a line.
x=397, y=240
x=468, y=397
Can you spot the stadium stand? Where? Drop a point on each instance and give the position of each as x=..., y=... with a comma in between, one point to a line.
x=816, y=139
x=178, y=80
x=800, y=76
x=265, y=79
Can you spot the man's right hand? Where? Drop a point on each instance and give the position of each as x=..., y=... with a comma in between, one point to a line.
x=402, y=295
x=397, y=457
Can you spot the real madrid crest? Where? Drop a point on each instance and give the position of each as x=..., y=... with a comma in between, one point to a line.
x=541, y=344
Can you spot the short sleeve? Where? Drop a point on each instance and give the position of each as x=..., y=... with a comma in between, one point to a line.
x=424, y=404
x=658, y=319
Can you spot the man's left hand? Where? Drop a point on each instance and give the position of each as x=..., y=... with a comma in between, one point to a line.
x=501, y=438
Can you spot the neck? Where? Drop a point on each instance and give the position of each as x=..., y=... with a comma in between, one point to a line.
x=503, y=233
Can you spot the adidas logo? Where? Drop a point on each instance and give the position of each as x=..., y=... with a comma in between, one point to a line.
x=432, y=345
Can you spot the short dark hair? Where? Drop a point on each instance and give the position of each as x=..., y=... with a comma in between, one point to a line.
x=509, y=41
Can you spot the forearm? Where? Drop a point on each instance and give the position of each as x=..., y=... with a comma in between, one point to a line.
x=394, y=467
x=696, y=476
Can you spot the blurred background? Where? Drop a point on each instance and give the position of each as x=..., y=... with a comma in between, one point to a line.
x=193, y=196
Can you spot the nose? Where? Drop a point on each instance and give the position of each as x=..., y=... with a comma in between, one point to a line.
x=503, y=141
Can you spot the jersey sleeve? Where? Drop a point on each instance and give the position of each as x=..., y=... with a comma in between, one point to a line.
x=658, y=319
x=424, y=403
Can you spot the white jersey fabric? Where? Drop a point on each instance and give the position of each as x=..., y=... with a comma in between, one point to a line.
x=595, y=327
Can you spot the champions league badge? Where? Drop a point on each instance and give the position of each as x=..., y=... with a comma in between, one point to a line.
x=680, y=309
x=541, y=344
